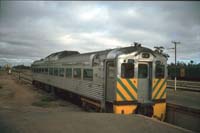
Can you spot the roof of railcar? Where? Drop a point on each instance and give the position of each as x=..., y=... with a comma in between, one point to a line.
x=124, y=50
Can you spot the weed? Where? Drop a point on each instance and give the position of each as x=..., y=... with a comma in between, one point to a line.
x=48, y=98
x=44, y=101
x=40, y=104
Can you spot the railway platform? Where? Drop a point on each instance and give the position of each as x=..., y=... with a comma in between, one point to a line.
x=81, y=122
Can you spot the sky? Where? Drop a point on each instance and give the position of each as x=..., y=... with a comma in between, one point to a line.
x=31, y=30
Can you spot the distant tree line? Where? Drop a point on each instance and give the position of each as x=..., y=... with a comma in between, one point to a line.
x=21, y=67
x=185, y=71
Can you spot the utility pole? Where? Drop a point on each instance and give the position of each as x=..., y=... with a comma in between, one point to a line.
x=175, y=43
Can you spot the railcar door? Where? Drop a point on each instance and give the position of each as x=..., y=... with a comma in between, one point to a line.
x=144, y=80
x=110, y=80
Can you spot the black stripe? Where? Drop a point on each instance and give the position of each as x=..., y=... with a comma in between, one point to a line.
x=125, y=102
x=159, y=100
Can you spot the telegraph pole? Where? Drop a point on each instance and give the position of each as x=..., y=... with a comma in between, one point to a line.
x=175, y=43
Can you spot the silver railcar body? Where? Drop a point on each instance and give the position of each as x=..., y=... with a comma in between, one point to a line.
x=124, y=77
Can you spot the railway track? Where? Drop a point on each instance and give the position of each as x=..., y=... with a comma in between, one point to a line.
x=23, y=76
x=183, y=116
x=184, y=85
x=181, y=108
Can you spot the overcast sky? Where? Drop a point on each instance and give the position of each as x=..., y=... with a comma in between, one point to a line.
x=33, y=30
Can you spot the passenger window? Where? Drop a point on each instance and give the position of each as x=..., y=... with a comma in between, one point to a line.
x=127, y=70
x=50, y=71
x=56, y=71
x=160, y=70
x=88, y=74
x=77, y=73
x=142, y=71
x=46, y=70
x=61, y=72
x=68, y=73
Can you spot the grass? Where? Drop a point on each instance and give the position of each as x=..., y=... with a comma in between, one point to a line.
x=1, y=87
x=44, y=101
x=40, y=104
x=48, y=98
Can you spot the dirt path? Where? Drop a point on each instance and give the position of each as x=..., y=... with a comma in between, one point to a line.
x=15, y=94
x=19, y=114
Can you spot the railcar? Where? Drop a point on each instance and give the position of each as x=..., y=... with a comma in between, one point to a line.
x=127, y=80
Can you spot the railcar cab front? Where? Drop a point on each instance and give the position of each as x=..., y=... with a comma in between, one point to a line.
x=137, y=76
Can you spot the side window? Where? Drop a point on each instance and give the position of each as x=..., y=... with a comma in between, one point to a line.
x=61, y=72
x=50, y=71
x=142, y=71
x=68, y=72
x=42, y=70
x=160, y=70
x=77, y=73
x=127, y=70
x=46, y=70
x=87, y=74
x=55, y=71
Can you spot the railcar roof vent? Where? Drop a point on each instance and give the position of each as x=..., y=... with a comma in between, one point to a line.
x=61, y=54
x=136, y=44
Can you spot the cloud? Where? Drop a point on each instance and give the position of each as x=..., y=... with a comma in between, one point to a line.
x=34, y=29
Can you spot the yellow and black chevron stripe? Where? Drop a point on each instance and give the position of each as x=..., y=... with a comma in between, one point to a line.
x=126, y=89
x=159, y=88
